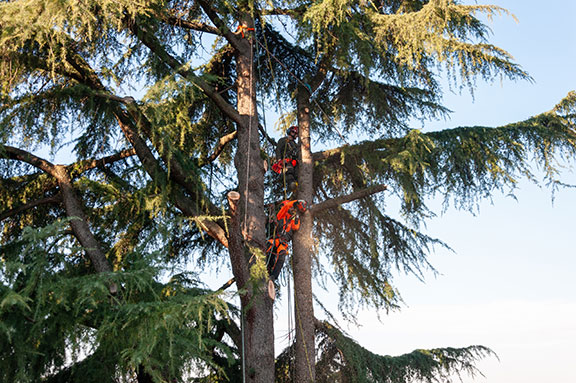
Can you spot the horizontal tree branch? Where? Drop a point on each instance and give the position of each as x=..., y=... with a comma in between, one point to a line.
x=19, y=209
x=193, y=25
x=335, y=202
x=84, y=165
x=13, y=153
x=298, y=11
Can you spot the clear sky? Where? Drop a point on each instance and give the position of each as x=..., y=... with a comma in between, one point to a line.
x=511, y=283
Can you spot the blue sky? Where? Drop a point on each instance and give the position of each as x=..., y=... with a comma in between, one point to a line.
x=510, y=284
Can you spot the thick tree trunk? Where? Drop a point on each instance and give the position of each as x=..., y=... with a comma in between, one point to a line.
x=250, y=234
x=302, y=258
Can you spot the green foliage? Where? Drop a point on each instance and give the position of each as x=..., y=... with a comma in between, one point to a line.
x=53, y=316
x=93, y=78
x=340, y=359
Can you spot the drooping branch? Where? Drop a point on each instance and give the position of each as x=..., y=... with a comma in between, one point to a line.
x=335, y=202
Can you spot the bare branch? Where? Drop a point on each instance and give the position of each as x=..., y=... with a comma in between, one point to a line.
x=220, y=147
x=335, y=202
x=265, y=134
x=82, y=166
x=196, y=26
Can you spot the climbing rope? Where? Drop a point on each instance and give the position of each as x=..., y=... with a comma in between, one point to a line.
x=291, y=323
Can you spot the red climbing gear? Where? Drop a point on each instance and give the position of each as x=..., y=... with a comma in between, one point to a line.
x=242, y=28
x=278, y=166
x=290, y=221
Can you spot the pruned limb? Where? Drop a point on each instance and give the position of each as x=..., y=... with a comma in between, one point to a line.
x=335, y=202
x=236, y=244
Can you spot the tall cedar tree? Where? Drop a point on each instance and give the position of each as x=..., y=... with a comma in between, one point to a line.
x=155, y=105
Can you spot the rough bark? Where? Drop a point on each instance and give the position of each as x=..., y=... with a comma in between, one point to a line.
x=257, y=307
x=302, y=254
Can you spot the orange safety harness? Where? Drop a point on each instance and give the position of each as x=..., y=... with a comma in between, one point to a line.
x=279, y=165
x=288, y=222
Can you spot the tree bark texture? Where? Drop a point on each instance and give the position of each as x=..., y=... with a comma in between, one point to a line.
x=305, y=350
x=257, y=307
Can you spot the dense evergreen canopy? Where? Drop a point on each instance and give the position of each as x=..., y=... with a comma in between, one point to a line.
x=156, y=109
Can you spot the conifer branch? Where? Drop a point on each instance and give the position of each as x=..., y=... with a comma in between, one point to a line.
x=75, y=169
x=221, y=26
x=298, y=11
x=148, y=159
x=155, y=46
x=177, y=172
x=85, y=165
x=156, y=172
x=335, y=202
x=17, y=210
x=196, y=26
x=72, y=203
x=13, y=153
x=222, y=142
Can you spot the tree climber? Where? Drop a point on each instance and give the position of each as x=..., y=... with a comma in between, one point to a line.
x=281, y=228
x=287, y=160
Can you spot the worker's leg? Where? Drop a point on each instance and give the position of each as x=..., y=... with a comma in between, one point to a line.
x=276, y=259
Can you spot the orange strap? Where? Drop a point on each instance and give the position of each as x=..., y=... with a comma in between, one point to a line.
x=242, y=28
x=277, y=245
